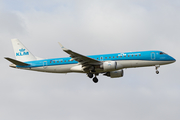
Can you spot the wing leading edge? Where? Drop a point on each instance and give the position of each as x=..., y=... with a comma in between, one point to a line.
x=85, y=61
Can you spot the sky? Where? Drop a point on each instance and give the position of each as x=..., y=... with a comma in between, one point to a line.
x=90, y=27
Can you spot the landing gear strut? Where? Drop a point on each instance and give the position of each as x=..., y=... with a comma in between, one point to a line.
x=157, y=66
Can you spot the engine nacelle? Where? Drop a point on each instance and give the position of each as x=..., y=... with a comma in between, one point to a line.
x=115, y=74
x=111, y=66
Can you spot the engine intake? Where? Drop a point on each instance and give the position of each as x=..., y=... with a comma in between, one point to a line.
x=111, y=66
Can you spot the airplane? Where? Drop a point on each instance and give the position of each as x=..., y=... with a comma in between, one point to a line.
x=110, y=65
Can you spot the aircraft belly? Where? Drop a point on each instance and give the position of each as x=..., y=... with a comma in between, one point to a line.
x=125, y=63
x=144, y=63
x=141, y=63
x=40, y=69
x=61, y=68
x=54, y=69
x=76, y=68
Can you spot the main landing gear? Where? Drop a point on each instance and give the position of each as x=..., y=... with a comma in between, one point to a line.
x=157, y=66
x=90, y=75
x=95, y=80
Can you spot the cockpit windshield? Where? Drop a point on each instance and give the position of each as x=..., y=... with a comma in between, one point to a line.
x=162, y=53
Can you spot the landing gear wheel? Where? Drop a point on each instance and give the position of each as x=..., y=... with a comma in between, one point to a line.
x=156, y=67
x=90, y=75
x=95, y=80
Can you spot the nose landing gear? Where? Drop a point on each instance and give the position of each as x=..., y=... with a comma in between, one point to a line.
x=157, y=72
x=157, y=66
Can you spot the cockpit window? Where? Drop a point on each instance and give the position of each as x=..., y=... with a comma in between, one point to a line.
x=162, y=53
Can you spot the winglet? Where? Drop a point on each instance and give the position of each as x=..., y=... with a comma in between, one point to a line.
x=62, y=46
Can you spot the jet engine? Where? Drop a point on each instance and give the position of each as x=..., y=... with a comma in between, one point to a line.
x=115, y=74
x=111, y=65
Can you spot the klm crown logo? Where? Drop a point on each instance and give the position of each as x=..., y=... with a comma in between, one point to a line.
x=22, y=52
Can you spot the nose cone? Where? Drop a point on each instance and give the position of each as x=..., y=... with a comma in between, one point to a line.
x=172, y=59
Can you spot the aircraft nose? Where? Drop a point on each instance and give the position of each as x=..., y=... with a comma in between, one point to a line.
x=172, y=59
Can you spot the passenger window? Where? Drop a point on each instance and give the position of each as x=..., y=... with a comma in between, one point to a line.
x=97, y=58
x=136, y=55
x=61, y=61
x=106, y=57
x=109, y=57
x=117, y=56
x=128, y=55
x=113, y=56
x=124, y=55
x=58, y=61
x=54, y=61
x=132, y=55
x=139, y=54
x=68, y=60
x=65, y=61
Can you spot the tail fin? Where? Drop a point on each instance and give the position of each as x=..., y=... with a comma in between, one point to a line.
x=21, y=52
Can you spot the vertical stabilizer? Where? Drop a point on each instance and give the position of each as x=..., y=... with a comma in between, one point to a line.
x=21, y=52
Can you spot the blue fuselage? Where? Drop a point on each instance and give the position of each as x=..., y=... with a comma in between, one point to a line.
x=127, y=59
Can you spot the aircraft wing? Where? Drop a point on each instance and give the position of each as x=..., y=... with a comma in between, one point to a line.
x=83, y=60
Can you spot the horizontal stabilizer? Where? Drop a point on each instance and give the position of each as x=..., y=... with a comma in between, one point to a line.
x=16, y=62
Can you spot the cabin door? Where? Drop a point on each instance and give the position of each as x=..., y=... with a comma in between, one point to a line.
x=45, y=64
x=152, y=55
